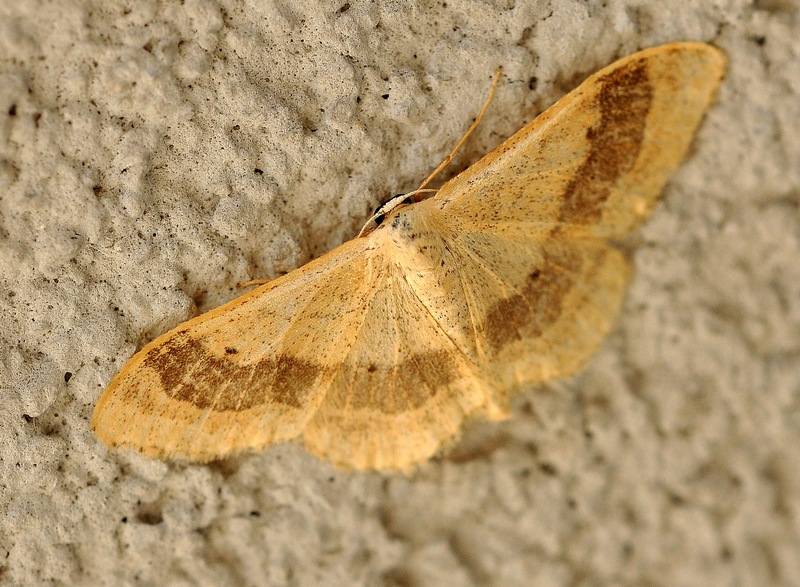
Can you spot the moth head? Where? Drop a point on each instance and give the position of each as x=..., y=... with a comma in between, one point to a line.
x=383, y=211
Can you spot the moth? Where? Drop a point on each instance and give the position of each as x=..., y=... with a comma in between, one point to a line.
x=448, y=301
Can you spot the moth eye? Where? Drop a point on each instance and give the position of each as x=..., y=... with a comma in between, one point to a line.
x=409, y=200
x=379, y=219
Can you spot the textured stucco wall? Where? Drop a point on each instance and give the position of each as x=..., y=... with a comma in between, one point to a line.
x=154, y=154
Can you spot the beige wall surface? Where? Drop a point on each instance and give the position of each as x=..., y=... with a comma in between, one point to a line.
x=155, y=154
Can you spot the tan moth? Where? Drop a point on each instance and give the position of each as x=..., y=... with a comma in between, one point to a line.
x=374, y=354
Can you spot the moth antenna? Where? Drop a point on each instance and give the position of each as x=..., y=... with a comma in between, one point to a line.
x=446, y=161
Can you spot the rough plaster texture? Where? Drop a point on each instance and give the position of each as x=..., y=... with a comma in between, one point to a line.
x=154, y=154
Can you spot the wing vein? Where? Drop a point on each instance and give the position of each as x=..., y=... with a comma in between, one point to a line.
x=468, y=293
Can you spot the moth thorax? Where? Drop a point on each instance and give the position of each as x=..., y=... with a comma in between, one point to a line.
x=416, y=242
x=406, y=226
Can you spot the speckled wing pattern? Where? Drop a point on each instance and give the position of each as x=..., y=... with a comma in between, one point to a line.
x=537, y=212
x=374, y=354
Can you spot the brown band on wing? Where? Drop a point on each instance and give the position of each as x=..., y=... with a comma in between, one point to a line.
x=616, y=139
x=393, y=389
x=528, y=313
x=189, y=373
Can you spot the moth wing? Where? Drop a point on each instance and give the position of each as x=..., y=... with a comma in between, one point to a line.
x=596, y=161
x=402, y=390
x=244, y=375
x=341, y=352
x=539, y=307
x=520, y=308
